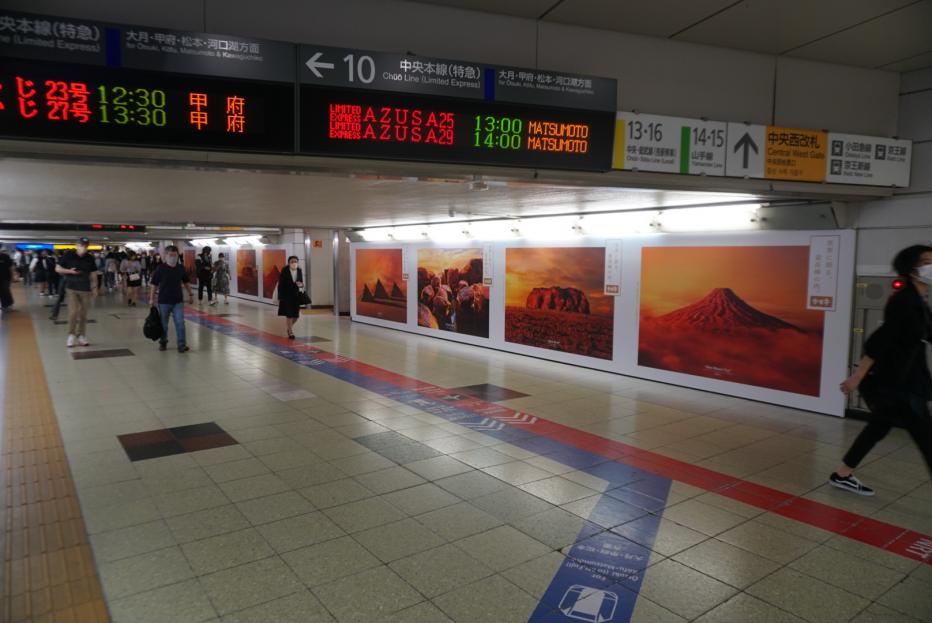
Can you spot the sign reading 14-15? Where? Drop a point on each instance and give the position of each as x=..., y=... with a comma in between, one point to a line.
x=669, y=144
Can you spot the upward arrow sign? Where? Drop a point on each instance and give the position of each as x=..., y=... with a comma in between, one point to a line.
x=746, y=143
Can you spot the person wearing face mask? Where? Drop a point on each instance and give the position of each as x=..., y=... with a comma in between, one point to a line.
x=167, y=281
x=80, y=271
x=893, y=376
x=290, y=287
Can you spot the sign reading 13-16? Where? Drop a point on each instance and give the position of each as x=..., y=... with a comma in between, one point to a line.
x=669, y=144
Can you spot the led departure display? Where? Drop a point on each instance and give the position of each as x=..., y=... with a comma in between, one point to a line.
x=436, y=129
x=88, y=104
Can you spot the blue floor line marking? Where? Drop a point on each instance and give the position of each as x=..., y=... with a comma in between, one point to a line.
x=600, y=578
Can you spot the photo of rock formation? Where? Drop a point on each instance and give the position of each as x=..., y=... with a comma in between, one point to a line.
x=380, y=290
x=554, y=299
x=451, y=295
x=273, y=263
x=732, y=313
x=247, y=275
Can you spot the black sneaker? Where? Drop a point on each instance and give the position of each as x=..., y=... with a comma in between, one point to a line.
x=163, y=346
x=850, y=483
x=183, y=349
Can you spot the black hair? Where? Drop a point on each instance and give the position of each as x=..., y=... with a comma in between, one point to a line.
x=906, y=260
x=171, y=247
x=293, y=257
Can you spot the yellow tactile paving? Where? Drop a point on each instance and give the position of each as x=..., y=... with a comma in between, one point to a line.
x=49, y=573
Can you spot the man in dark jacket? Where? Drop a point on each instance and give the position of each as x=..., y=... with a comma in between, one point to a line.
x=167, y=281
x=893, y=374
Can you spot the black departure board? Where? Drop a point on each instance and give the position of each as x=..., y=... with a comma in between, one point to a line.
x=371, y=124
x=51, y=101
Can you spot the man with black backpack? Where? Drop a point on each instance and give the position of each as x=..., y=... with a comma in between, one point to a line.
x=167, y=282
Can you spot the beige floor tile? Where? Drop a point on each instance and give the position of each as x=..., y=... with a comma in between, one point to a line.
x=709, y=520
x=694, y=592
x=131, y=541
x=327, y=561
x=397, y=540
x=668, y=539
x=491, y=599
x=391, y=479
x=250, y=584
x=727, y=563
x=768, y=542
x=459, y=521
x=274, y=507
x=440, y=570
x=910, y=597
x=226, y=550
x=807, y=597
x=299, y=531
x=420, y=499
x=144, y=572
x=336, y=493
x=364, y=514
x=184, y=602
x=502, y=547
x=207, y=523
x=743, y=608
x=424, y=612
x=535, y=576
x=856, y=575
x=300, y=607
x=368, y=596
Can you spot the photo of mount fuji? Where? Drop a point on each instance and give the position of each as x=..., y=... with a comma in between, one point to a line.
x=731, y=313
x=380, y=290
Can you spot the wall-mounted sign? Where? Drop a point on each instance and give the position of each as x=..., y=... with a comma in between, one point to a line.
x=613, y=267
x=669, y=144
x=855, y=159
x=409, y=127
x=406, y=73
x=823, y=272
x=795, y=154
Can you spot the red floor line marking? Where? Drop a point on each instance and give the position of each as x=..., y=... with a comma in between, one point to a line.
x=885, y=536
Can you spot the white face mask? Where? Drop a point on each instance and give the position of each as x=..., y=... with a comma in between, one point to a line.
x=924, y=274
x=171, y=259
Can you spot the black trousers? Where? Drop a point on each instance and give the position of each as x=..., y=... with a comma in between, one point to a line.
x=6, y=297
x=58, y=302
x=205, y=283
x=887, y=411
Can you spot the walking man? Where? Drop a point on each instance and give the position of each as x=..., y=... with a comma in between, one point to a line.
x=7, y=276
x=167, y=281
x=80, y=271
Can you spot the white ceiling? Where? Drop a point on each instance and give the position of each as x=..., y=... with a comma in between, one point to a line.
x=47, y=191
x=884, y=34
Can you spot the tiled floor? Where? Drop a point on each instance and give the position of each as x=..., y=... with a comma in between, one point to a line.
x=338, y=503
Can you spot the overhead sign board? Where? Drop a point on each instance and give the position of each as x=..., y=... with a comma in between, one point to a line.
x=47, y=38
x=669, y=144
x=795, y=154
x=385, y=71
x=856, y=159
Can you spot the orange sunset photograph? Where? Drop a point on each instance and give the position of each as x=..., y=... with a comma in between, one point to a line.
x=554, y=299
x=731, y=313
x=380, y=290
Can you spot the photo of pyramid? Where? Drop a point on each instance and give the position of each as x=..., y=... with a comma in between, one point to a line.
x=380, y=290
x=731, y=313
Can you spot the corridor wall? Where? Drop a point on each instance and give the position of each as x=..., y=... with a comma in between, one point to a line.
x=759, y=315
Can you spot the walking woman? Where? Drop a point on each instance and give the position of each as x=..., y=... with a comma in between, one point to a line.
x=290, y=287
x=205, y=270
x=893, y=376
x=222, y=279
x=40, y=273
x=132, y=268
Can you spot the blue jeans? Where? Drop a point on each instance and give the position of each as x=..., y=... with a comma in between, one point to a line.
x=176, y=311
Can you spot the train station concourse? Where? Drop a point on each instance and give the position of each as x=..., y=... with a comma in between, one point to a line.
x=396, y=311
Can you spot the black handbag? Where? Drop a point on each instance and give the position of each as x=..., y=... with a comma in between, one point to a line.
x=303, y=299
x=152, y=327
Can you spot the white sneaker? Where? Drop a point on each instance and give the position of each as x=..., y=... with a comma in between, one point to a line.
x=82, y=341
x=70, y=341
x=212, y=303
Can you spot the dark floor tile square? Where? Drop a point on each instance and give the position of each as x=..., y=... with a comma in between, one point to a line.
x=102, y=354
x=195, y=430
x=379, y=441
x=408, y=452
x=486, y=391
x=154, y=450
x=206, y=442
x=61, y=322
x=133, y=440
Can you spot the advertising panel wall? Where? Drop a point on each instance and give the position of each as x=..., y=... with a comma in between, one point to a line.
x=728, y=313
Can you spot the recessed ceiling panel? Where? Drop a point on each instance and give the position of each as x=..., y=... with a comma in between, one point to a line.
x=776, y=27
x=657, y=18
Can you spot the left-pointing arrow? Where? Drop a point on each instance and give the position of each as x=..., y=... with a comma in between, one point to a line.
x=315, y=65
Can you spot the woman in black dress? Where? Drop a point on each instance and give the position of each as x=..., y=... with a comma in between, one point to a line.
x=290, y=286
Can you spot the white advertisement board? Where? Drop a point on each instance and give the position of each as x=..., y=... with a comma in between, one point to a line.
x=724, y=313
